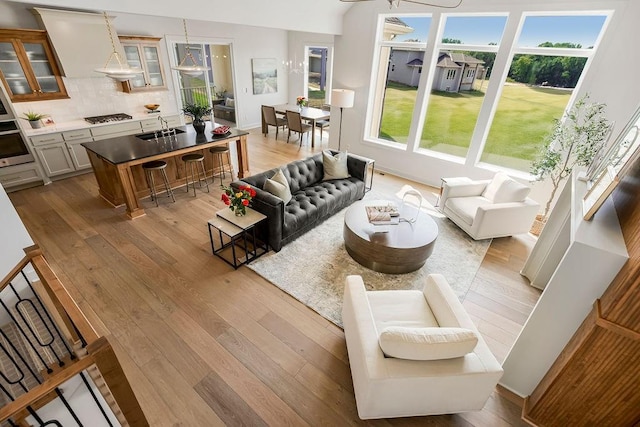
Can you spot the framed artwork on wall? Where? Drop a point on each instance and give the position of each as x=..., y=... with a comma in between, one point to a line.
x=264, y=74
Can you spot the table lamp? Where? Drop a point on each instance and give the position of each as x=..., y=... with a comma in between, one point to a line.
x=342, y=98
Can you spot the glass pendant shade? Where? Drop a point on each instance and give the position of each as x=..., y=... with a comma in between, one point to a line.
x=120, y=70
x=193, y=69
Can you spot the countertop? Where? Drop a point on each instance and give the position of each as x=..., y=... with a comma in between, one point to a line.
x=83, y=124
x=128, y=148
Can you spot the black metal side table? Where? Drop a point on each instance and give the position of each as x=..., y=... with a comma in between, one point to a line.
x=236, y=242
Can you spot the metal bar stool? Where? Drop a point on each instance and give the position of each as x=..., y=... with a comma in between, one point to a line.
x=191, y=168
x=157, y=165
x=218, y=152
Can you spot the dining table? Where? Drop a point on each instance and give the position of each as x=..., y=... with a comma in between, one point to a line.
x=309, y=114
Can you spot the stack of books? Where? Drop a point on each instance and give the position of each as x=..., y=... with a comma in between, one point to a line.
x=383, y=215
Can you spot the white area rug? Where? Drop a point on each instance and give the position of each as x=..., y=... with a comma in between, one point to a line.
x=313, y=267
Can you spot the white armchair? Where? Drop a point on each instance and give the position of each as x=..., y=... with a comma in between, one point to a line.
x=415, y=352
x=490, y=208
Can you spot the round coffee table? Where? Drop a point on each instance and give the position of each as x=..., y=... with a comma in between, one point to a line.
x=405, y=247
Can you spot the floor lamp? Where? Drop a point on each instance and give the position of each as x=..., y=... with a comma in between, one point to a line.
x=342, y=98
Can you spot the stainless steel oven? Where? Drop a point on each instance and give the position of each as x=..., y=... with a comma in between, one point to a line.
x=13, y=148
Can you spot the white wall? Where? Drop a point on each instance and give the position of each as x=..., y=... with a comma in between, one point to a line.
x=353, y=68
x=13, y=235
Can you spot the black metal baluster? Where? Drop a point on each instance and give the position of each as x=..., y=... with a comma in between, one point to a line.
x=34, y=373
x=49, y=370
x=41, y=423
x=95, y=398
x=5, y=391
x=48, y=344
x=64, y=341
x=66, y=404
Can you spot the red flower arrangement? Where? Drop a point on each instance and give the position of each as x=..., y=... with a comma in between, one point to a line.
x=238, y=200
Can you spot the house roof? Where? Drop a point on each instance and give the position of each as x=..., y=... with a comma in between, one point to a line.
x=416, y=62
x=456, y=60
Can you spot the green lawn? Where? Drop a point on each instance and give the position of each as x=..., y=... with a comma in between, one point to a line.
x=523, y=118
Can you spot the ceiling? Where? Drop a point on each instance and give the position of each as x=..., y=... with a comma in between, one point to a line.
x=317, y=16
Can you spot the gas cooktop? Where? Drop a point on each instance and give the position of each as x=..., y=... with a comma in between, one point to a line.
x=108, y=118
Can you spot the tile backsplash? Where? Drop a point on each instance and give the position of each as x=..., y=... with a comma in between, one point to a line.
x=96, y=97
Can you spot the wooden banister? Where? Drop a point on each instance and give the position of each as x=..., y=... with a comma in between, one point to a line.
x=77, y=329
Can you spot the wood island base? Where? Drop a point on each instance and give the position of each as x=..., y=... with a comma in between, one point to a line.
x=125, y=183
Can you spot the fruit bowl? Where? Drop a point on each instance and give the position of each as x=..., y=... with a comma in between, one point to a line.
x=151, y=107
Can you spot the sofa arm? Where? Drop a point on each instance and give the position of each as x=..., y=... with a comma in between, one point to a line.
x=270, y=206
x=357, y=166
x=461, y=187
x=360, y=330
x=505, y=219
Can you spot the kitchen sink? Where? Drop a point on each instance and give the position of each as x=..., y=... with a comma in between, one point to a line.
x=158, y=133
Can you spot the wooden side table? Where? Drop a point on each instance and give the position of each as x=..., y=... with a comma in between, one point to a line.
x=236, y=242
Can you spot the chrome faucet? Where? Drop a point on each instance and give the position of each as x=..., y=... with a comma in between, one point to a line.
x=164, y=123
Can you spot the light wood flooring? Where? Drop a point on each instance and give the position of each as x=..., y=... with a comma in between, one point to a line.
x=205, y=345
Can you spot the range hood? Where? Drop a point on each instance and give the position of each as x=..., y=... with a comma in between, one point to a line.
x=80, y=40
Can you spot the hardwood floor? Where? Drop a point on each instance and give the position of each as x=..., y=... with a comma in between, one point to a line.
x=206, y=345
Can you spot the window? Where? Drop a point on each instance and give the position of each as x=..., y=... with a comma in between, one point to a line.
x=534, y=86
x=467, y=53
x=319, y=75
x=543, y=74
x=402, y=42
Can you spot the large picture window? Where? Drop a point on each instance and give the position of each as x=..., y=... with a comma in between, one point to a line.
x=465, y=59
x=550, y=57
x=535, y=83
x=401, y=53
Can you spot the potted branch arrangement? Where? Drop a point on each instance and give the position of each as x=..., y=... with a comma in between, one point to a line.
x=197, y=112
x=573, y=142
x=35, y=119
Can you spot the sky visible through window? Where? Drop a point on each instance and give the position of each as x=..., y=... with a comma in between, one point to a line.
x=583, y=30
x=483, y=30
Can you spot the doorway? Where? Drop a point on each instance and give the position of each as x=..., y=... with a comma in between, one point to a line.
x=318, y=83
x=214, y=87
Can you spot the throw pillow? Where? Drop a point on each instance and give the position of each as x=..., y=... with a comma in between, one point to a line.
x=503, y=189
x=335, y=167
x=426, y=343
x=230, y=102
x=278, y=186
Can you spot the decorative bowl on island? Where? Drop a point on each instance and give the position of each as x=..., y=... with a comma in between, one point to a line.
x=221, y=130
x=152, y=107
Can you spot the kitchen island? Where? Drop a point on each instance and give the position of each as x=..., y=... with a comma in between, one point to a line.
x=117, y=162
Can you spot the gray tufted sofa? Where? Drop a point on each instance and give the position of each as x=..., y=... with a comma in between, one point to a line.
x=313, y=200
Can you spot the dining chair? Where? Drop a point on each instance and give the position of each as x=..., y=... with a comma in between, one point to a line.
x=294, y=121
x=323, y=123
x=270, y=118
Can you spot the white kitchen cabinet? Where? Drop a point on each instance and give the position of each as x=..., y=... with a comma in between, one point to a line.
x=119, y=129
x=78, y=154
x=18, y=175
x=154, y=124
x=143, y=52
x=55, y=159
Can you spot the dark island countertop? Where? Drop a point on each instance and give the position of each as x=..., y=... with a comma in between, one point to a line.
x=124, y=149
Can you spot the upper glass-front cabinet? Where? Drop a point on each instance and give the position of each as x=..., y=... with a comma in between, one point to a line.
x=27, y=66
x=144, y=53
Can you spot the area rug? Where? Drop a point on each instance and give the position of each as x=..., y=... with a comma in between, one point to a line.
x=313, y=267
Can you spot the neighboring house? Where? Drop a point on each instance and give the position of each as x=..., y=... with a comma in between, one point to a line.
x=455, y=71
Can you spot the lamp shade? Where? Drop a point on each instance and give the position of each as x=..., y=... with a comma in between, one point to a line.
x=342, y=98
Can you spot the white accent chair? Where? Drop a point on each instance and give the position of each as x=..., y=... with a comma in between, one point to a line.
x=402, y=386
x=489, y=208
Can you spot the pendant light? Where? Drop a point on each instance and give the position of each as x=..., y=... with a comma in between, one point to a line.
x=122, y=71
x=190, y=70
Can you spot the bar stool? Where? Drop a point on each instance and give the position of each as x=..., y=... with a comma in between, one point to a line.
x=160, y=166
x=218, y=152
x=191, y=168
